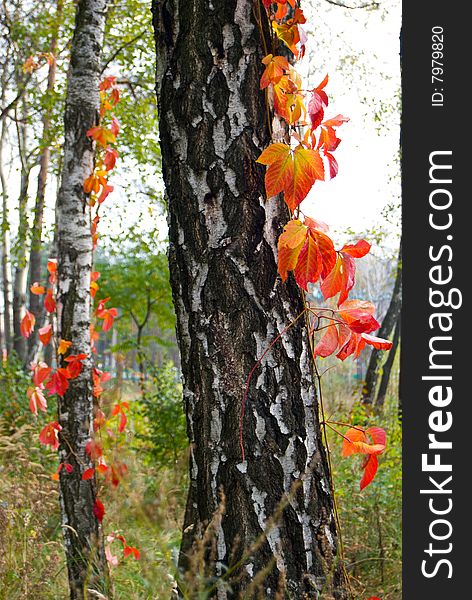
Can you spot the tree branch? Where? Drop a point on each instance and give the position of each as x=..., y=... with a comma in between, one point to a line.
x=360, y=6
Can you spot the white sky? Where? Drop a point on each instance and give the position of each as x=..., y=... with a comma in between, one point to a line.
x=359, y=49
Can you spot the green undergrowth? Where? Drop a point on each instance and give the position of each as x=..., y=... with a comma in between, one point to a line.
x=147, y=507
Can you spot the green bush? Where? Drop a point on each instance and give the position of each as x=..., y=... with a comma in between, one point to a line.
x=163, y=429
x=14, y=404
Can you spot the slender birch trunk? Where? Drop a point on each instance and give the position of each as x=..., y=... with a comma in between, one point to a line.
x=6, y=259
x=21, y=246
x=35, y=302
x=230, y=306
x=86, y=562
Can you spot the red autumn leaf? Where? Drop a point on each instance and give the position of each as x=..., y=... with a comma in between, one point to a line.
x=102, y=468
x=115, y=96
x=49, y=302
x=45, y=334
x=36, y=400
x=99, y=510
x=336, y=121
x=116, y=472
x=370, y=467
x=318, y=102
x=342, y=278
x=376, y=342
x=107, y=83
x=58, y=383
x=356, y=442
x=309, y=265
x=328, y=343
x=37, y=289
x=99, y=419
x=106, y=191
x=96, y=180
x=27, y=324
x=119, y=409
x=305, y=249
x=94, y=449
x=48, y=435
x=289, y=32
x=115, y=126
x=41, y=372
x=108, y=315
x=74, y=366
x=127, y=550
x=68, y=467
x=278, y=157
x=276, y=66
x=357, y=250
x=88, y=474
x=109, y=159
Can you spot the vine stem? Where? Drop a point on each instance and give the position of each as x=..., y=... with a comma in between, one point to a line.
x=323, y=424
x=248, y=380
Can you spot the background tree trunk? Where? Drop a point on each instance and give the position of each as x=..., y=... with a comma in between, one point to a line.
x=230, y=305
x=387, y=368
x=21, y=246
x=389, y=322
x=35, y=302
x=87, y=566
x=6, y=259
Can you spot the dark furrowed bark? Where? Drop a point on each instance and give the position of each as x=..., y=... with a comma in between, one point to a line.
x=230, y=306
x=87, y=566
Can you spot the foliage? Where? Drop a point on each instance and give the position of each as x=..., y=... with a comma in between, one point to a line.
x=371, y=520
x=305, y=247
x=14, y=383
x=138, y=282
x=164, y=435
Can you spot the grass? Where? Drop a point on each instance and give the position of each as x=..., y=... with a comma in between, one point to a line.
x=147, y=509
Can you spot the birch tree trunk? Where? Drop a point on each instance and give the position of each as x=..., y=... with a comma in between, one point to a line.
x=21, y=247
x=230, y=305
x=87, y=566
x=35, y=301
x=6, y=260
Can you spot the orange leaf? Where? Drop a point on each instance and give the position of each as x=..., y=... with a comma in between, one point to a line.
x=307, y=168
x=27, y=324
x=102, y=135
x=356, y=441
x=279, y=159
x=309, y=264
x=275, y=69
x=37, y=289
x=63, y=346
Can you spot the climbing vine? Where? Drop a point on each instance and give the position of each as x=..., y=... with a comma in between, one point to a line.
x=48, y=380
